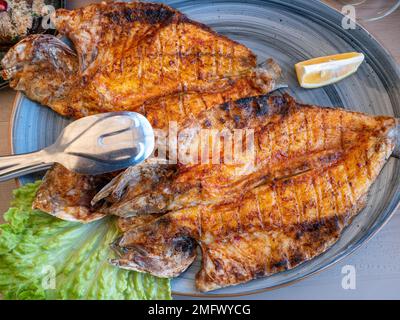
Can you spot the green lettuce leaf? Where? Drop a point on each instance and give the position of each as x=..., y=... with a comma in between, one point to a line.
x=42, y=257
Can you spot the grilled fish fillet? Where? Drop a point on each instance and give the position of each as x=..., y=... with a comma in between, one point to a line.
x=289, y=139
x=141, y=57
x=130, y=56
x=281, y=223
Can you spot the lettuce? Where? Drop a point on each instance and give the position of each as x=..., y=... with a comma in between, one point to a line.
x=42, y=257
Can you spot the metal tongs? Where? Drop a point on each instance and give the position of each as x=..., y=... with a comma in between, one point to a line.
x=91, y=145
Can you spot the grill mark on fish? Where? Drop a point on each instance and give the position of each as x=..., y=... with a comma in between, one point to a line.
x=317, y=198
x=363, y=166
x=291, y=136
x=323, y=159
x=106, y=51
x=329, y=190
x=179, y=30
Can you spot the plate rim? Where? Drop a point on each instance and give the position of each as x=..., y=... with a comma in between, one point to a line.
x=344, y=254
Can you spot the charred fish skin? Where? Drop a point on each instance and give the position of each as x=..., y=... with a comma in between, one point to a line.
x=143, y=178
x=289, y=139
x=267, y=77
x=279, y=224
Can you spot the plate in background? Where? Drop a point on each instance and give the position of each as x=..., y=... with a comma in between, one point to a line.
x=288, y=31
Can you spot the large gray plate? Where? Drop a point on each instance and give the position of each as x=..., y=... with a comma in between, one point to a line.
x=288, y=31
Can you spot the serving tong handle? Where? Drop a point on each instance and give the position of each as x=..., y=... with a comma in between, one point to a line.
x=18, y=165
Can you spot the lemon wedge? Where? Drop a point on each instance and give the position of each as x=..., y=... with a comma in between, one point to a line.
x=318, y=72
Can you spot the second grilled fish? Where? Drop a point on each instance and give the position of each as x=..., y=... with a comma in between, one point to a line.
x=141, y=57
x=288, y=219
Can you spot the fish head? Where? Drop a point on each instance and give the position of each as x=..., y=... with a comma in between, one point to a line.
x=157, y=248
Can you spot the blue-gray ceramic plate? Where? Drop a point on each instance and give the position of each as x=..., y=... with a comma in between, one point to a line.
x=36, y=28
x=288, y=31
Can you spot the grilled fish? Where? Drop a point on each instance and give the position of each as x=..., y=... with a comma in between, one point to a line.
x=288, y=219
x=141, y=177
x=141, y=57
x=131, y=56
x=289, y=139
